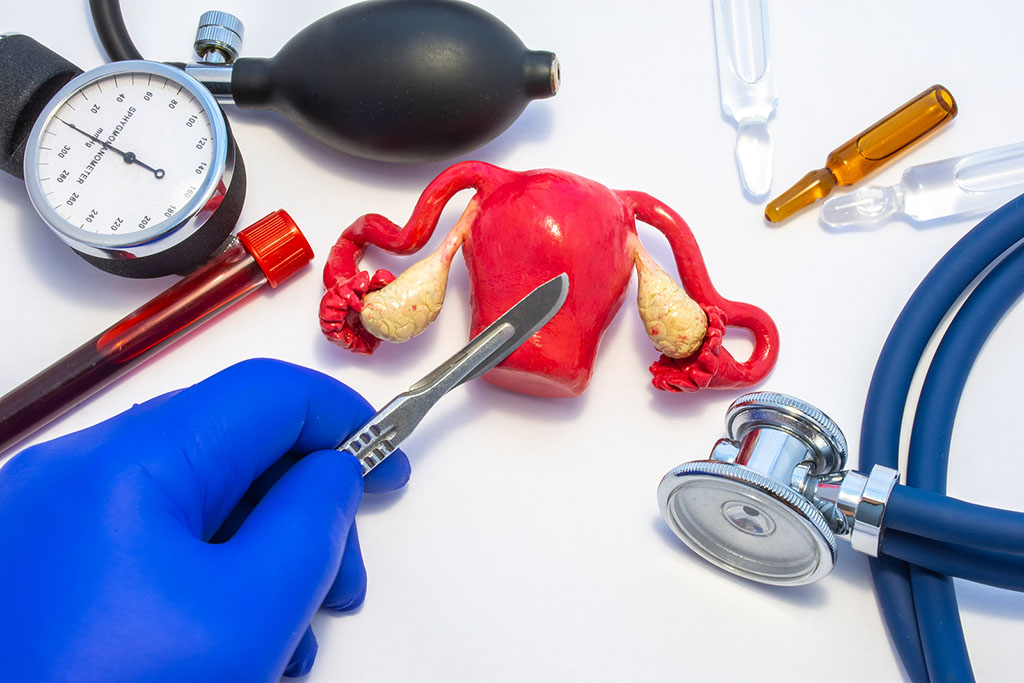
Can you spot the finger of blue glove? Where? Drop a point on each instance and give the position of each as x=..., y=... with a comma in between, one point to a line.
x=206, y=444
x=289, y=550
x=349, y=588
x=296, y=535
x=393, y=473
x=302, y=659
x=346, y=593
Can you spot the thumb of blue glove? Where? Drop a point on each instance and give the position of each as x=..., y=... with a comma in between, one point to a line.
x=108, y=572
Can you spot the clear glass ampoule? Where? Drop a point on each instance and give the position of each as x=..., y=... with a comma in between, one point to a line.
x=746, y=80
x=968, y=185
x=868, y=150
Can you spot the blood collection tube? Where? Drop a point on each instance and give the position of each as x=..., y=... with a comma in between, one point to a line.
x=868, y=150
x=267, y=252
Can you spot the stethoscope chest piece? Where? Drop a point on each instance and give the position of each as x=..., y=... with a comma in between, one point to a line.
x=743, y=509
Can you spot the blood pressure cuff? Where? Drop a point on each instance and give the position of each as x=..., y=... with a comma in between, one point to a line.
x=30, y=75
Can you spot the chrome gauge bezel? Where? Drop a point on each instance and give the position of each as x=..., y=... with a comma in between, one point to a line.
x=168, y=233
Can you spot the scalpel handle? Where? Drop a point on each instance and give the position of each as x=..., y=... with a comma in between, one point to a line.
x=381, y=435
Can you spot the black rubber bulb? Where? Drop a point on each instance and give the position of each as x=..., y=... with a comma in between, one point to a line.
x=400, y=80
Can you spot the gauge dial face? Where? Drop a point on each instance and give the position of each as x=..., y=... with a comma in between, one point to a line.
x=126, y=155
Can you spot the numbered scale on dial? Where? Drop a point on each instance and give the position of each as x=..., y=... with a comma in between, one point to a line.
x=132, y=164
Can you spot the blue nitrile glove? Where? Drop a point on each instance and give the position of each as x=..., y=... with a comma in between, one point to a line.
x=106, y=572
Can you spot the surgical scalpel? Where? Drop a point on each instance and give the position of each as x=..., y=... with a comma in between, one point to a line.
x=378, y=438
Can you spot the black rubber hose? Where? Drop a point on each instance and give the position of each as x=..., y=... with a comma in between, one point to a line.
x=113, y=34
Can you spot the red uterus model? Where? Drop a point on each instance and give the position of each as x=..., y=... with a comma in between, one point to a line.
x=520, y=230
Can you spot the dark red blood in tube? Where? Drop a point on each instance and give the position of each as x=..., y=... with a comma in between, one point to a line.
x=269, y=251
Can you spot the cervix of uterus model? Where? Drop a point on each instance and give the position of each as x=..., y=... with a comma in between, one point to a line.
x=520, y=230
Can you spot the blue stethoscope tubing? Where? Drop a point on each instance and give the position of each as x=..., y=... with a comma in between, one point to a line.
x=919, y=605
x=933, y=516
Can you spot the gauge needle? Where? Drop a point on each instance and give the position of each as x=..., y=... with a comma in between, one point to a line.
x=129, y=157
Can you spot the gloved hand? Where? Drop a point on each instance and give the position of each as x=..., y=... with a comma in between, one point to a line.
x=107, y=572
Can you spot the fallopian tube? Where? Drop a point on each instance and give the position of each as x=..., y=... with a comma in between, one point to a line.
x=519, y=230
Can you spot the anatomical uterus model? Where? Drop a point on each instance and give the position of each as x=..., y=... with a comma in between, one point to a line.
x=520, y=230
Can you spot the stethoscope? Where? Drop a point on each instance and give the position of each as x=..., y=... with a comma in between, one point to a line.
x=774, y=496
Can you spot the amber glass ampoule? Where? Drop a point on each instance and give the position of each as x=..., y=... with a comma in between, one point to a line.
x=874, y=147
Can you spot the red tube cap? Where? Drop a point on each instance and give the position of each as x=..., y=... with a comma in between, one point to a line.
x=278, y=246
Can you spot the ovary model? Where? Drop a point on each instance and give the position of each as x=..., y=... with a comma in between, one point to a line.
x=519, y=230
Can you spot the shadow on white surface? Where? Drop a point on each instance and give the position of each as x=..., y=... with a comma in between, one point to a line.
x=533, y=408
x=813, y=595
x=374, y=503
x=534, y=126
x=65, y=272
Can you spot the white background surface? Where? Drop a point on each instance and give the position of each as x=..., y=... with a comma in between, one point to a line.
x=528, y=545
